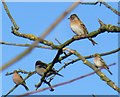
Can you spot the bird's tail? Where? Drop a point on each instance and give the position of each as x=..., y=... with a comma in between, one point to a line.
x=107, y=68
x=93, y=42
x=109, y=71
x=25, y=86
x=53, y=71
x=59, y=74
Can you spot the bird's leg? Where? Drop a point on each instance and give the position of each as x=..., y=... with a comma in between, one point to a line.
x=51, y=78
x=84, y=35
x=48, y=83
x=96, y=68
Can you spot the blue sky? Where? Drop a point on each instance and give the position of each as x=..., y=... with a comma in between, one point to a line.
x=34, y=18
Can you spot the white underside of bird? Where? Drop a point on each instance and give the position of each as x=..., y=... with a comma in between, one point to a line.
x=77, y=30
x=40, y=71
x=98, y=63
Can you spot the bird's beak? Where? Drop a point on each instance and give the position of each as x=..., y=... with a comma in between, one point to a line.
x=69, y=18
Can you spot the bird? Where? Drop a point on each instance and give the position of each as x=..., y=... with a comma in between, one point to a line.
x=40, y=68
x=17, y=79
x=78, y=27
x=99, y=62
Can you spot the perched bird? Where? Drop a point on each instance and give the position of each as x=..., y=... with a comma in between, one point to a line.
x=40, y=68
x=17, y=78
x=99, y=62
x=78, y=27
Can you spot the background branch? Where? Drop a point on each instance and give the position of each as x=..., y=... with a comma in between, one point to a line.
x=102, y=29
x=33, y=37
x=29, y=75
x=99, y=73
x=27, y=51
x=104, y=3
x=25, y=45
x=91, y=56
x=109, y=7
x=9, y=15
x=61, y=47
x=64, y=83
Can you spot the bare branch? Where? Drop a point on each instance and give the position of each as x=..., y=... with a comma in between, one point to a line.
x=55, y=60
x=27, y=51
x=24, y=45
x=34, y=38
x=91, y=56
x=63, y=83
x=99, y=73
x=19, y=71
x=102, y=29
x=104, y=3
x=29, y=75
x=74, y=5
x=109, y=7
x=11, y=90
x=89, y=3
x=9, y=15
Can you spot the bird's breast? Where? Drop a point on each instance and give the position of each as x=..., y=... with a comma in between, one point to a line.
x=17, y=79
x=40, y=71
x=76, y=28
x=98, y=63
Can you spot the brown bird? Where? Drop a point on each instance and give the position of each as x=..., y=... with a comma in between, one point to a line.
x=78, y=27
x=99, y=62
x=17, y=78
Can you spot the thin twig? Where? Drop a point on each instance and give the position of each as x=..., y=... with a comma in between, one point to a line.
x=63, y=83
x=27, y=51
x=112, y=9
x=91, y=56
x=104, y=3
x=11, y=90
x=33, y=38
x=25, y=45
x=55, y=60
x=73, y=6
x=89, y=3
x=29, y=75
x=9, y=15
x=99, y=73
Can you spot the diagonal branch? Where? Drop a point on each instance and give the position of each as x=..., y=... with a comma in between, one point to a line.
x=55, y=60
x=104, y=3
x=109, y=7
x=29, y=75
x=91, y=56
x=99, y=73
x=103, y=28
x=63, y=83
x=27, y=51
x=89, y=3
x=34, y=38
x=25, y=45
x=9, y=15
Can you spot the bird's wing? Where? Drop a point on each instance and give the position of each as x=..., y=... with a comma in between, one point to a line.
x=104, y=64
x=84, y=27
x=43, y=63
x=21, y=78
